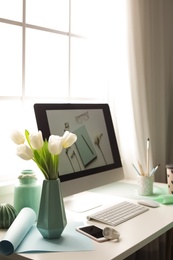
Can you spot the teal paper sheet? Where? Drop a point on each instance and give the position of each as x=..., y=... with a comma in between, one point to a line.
x=129, y=190
x=71, y=240
x=23, y=236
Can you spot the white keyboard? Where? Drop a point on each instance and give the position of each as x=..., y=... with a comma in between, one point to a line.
x=118, y=213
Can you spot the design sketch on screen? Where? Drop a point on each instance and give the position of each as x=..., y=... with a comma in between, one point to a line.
x=92, y=148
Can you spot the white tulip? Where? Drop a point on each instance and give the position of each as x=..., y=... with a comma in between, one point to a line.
x=17, y=137
x=24, y=152
x=36, y=140
x=55, y=144
x=44, y=154
x=68, y=139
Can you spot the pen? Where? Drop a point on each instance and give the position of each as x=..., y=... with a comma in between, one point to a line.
x=136, y=169
x=154, y=170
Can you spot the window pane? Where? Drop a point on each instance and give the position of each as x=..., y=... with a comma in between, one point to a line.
x=48, y=13
x=82, y=11
x=11, y=60
x=91, y=15
x=11, y=9
x=87, y=76
x=46, y=64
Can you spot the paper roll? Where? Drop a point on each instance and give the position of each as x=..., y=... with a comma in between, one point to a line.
x=17, y=231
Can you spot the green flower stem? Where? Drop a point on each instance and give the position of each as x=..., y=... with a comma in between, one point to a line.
x=45, y=160
x=42, y=170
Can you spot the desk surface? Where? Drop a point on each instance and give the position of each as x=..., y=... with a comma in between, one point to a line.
x=135, y=233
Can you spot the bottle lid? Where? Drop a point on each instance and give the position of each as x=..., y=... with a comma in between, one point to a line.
x=27, y=176
x=27, y=171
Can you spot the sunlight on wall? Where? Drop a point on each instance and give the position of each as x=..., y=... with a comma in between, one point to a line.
x=119, y=90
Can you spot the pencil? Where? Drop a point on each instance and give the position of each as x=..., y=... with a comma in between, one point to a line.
x=141, y=169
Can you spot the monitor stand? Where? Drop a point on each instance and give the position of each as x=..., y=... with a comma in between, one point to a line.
x=82, y=202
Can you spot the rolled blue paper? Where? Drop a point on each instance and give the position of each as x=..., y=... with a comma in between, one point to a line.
x=17, y=231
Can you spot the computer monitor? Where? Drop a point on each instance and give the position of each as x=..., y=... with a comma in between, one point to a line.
x=94, y=159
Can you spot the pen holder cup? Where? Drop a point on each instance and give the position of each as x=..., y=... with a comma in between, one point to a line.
x=145, y=185
x=169, y=172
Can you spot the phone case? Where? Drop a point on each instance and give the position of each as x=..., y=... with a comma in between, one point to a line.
x=101, y=239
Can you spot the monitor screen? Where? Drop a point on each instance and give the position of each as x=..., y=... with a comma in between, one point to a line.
x=96, y=148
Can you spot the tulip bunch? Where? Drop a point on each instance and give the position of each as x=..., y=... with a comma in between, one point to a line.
x=44, y=153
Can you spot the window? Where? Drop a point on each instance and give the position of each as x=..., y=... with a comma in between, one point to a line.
x=51, y=50
x=47, y=51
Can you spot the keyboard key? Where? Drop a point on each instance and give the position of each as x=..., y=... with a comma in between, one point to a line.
x=118, y=213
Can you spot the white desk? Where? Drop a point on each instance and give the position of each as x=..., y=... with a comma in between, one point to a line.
x=135, y=233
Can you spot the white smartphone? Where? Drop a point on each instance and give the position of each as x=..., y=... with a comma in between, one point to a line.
x=93, y=232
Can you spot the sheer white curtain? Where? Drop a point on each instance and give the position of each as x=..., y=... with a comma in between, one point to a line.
x=145, y=105
x=152, y=77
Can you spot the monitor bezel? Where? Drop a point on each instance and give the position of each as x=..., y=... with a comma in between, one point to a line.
x=43, y=125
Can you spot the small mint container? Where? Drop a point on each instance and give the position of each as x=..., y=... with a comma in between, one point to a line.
x=27, y=191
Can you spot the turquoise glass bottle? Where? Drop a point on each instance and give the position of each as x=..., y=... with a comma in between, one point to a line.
x=27, y=191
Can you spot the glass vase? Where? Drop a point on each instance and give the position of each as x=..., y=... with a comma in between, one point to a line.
x=52, y=217
x=27, y=191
